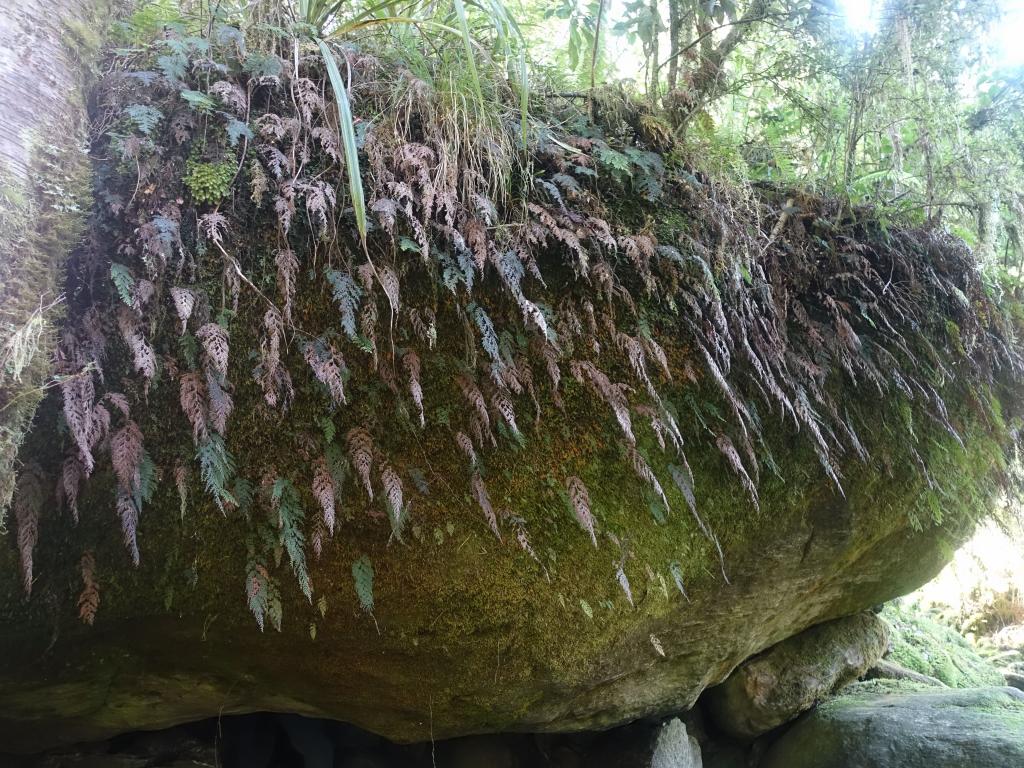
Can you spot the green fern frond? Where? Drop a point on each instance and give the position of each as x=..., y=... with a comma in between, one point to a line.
x=290, y=517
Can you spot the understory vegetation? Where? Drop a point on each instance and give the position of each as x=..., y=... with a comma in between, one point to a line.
x=328, y=228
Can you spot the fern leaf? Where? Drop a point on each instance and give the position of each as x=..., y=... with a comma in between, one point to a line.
x=287, y=272
x=290, y=517
x=362, y=577
x=89, y=598
x=215, y=344
x=504, y=406
x=620, y=576
x=128, y=512
x=78, y=393
x=323, y=492
x=181, y=484
x=327, y=366
x=28, y=503
x=484, y=500
x=644, y=472
x=184, y=303
x=360, y=454
x=347, y=295
x=126, y=456
x=728, y=450
x=476, y=399
x=580, y=499
x=397, y=511
x=131, y=330
x=220, y=403
x=466, y=446
x=411, y=362
x=217, y=466
x=683, y=478
x=192, y=397
x=71, y=475
x=676, y=570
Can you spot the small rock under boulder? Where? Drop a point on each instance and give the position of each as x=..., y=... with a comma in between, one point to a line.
x=787, y=679
x=884, y=724
x=666, y=746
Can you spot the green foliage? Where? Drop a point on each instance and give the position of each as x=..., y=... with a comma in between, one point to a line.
x=921, y=644
x=290, y=518
x=124, y=282
x=217, y=466
x=208, y=182
x=145, y=117
x=362, y=577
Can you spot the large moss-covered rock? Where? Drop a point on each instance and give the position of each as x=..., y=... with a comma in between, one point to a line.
x=468, y=634
x=905, y=726
x=776, y=686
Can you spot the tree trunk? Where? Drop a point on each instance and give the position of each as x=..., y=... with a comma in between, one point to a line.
x=43, y=194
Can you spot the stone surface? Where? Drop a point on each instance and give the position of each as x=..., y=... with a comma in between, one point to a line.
x=674, y=748
x=788, y=678
x=642, y=745
x=890, y=670
x=898, y=726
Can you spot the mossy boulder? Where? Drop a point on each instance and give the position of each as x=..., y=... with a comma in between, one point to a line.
x=468, y=633
x=503, y=435
x=903, y=725
x=922, y=645
x=789, y=678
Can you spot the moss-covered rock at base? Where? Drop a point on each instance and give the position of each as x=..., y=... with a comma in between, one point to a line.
x=886, y=724
x=787, y=679
x=922, y=645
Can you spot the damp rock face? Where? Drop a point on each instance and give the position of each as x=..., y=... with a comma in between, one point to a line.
x=906, y=726
x=787, y=679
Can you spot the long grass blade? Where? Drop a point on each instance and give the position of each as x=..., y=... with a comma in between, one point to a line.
x=524, y=93
x=348, y=139
x=467, y=41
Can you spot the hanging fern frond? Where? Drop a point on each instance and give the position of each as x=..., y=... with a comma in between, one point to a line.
x=128, y=512
x=290, y=518
x=89, y=598
x=347, y=295
x=184, y=303
x=215, y=344
x=362, y=577
x=411, y=362
x=28, y=503
x=327, y=366
x=484, y=500
x=192, y=396
x=732, y=457
x=217, y=466
x=580, y=499
x=287, y=273
x=78, y=394
x=360, y=454
x=397, y=510
x=323, y=492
